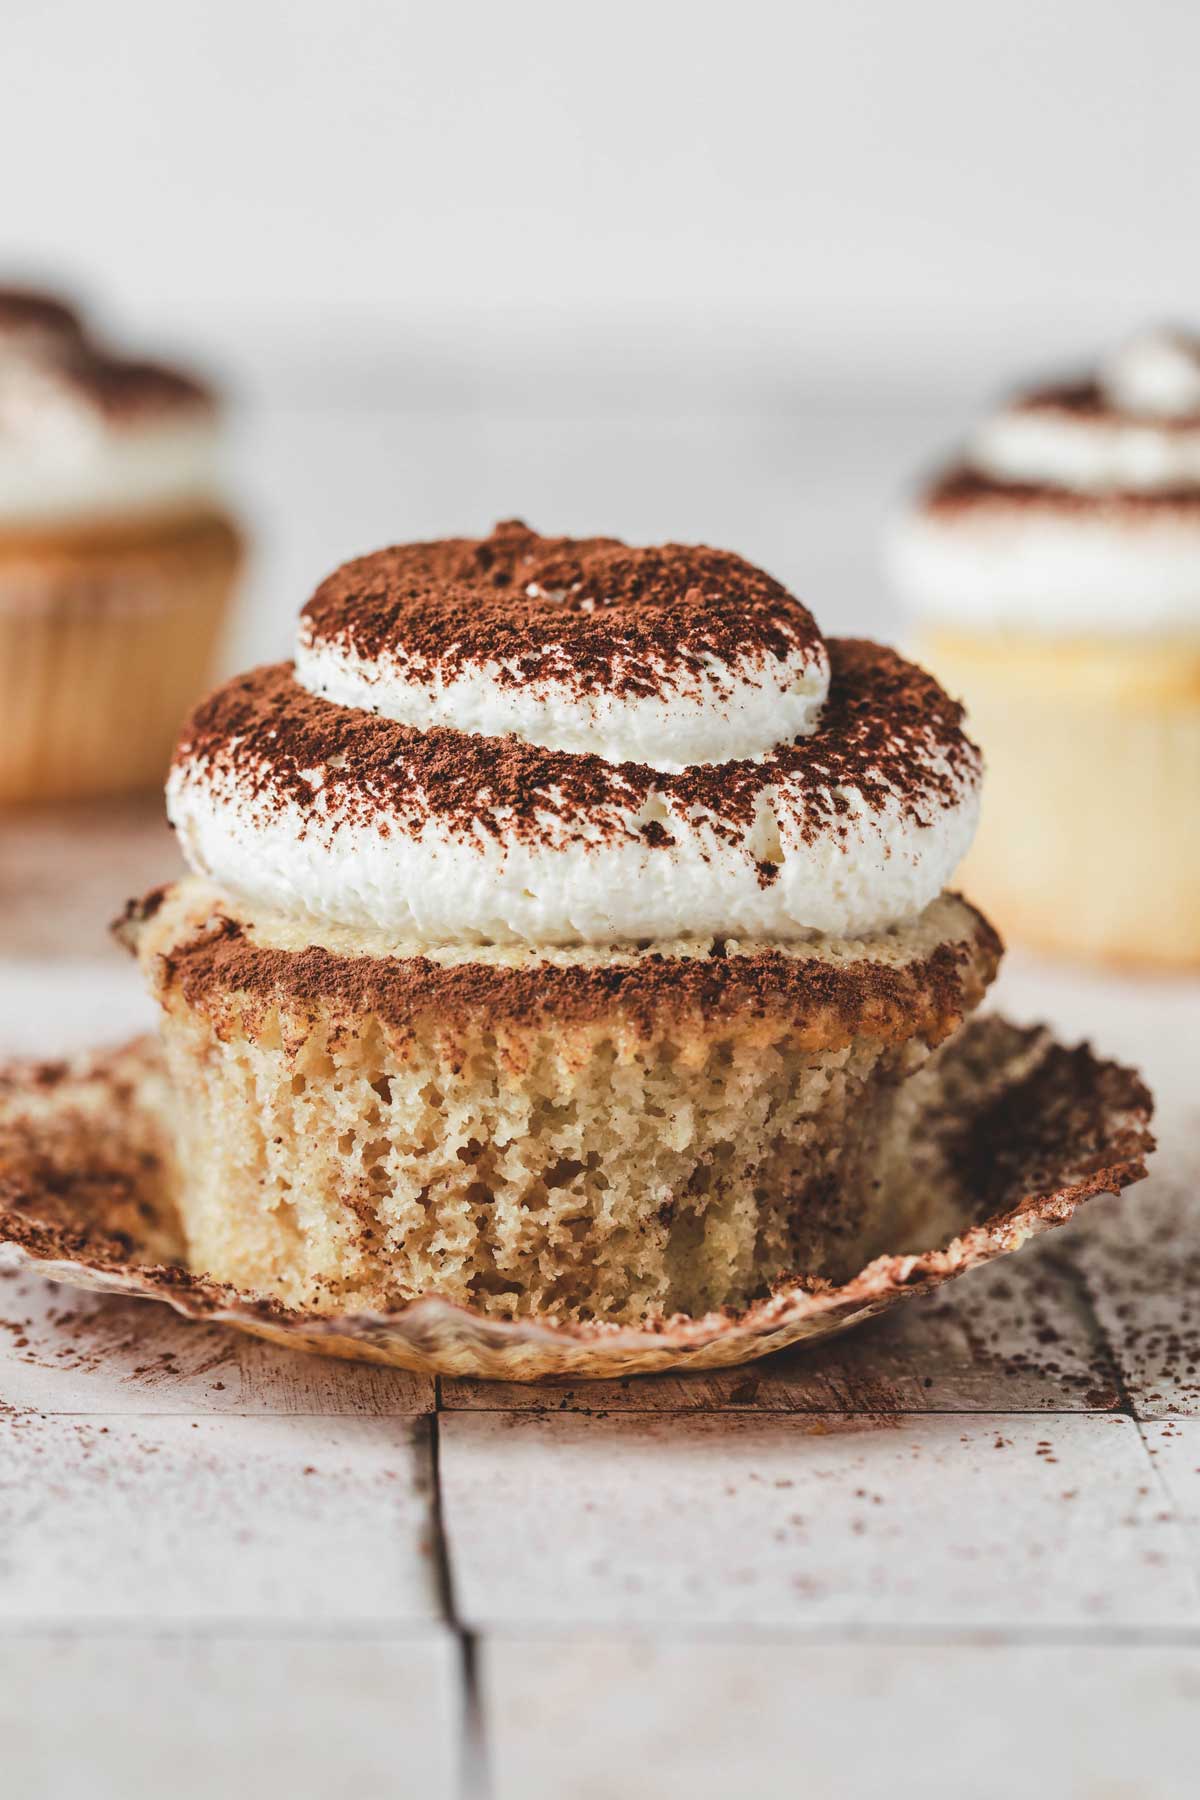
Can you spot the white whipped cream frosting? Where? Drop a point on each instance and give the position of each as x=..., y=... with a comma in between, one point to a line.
x=648, y=862
x=1055, y=573
x=1103, y=563
x=731, y=712
x=436, y=887
x=1156, y=374
x=68, y=458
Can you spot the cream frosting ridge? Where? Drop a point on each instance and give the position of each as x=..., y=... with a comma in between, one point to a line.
x=648, y=708
x=89, y=437
x=1076, y=505
x=557, y=742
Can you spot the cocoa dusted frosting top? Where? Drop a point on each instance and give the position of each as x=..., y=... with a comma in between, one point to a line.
x=675, y=655
x=555, y=740
x=588, y=611
x=28, y=315
x=88, y=433
x=52, y=340
x=1074, y=507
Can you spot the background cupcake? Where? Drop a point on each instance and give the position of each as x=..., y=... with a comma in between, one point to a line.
x=117, y=558
x=1054, y=573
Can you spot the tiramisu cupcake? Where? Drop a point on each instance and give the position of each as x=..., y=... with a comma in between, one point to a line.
x=117, y=558
x=565, y=922
x=1054, y=573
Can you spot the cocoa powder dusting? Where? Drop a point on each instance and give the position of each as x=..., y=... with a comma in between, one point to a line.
x=962, y=488
x=287, y=747
x=52, y=337
x=590, y=613
x=1086, y=399
x=927, y=996
x=123, y=389
x=28, y=309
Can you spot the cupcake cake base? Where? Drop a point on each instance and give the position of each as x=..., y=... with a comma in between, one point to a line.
x=105, y=636
x=581, y=1132
x=1008, y=1133
x=1089, y=843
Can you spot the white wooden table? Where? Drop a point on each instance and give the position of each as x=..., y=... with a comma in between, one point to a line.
x=954, y=1554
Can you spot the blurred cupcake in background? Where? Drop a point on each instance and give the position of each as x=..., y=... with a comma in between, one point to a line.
x=1053, y=575
x=117, y=557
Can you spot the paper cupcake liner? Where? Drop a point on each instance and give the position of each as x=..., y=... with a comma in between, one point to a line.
x=102, y=650
x=1012, y=1133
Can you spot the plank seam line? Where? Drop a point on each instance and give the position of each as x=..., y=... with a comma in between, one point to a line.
x=475, y=1774
x=361, y=1416
x=1079, y=1279
x=784, y=1412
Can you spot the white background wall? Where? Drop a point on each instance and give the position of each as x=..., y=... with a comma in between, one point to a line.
x=898, y=175
x=723, y=271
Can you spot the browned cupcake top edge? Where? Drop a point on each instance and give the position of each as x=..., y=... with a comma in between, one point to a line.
x=222, y=962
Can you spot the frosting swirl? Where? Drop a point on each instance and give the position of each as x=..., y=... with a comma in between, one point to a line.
x=557, y=741
x=88, y=436
x=669, y=656
x=1076, y=504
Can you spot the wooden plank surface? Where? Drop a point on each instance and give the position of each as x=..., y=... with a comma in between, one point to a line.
x=963, y=1521
x=65, y=1350
x=215, y=1520
x=597, y=1718
x=1020, y=1336
x=67, y=871
x=960, y=1521
x=1142, y=1273
x=1174, y=1449
x=111, y=1718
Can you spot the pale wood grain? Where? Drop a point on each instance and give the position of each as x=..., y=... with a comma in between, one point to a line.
x=641, y=1718
x=1015, y=1337
x=57, y=1006
x=1174, y=1450
x=66, y=871
x=114, y=1718
x=947, y=1521
x=65, y=1350
x=1141, y=1267
x=166, y=1519
x=1139, y=1261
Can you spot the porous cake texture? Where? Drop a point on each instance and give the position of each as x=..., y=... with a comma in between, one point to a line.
x=575, y=1132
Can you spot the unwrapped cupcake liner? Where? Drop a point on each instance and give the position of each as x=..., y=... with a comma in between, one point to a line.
x=1012, y=1133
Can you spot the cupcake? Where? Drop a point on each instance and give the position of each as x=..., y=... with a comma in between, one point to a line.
x=565, y=924
x=117, y=560
x=1054, y=576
